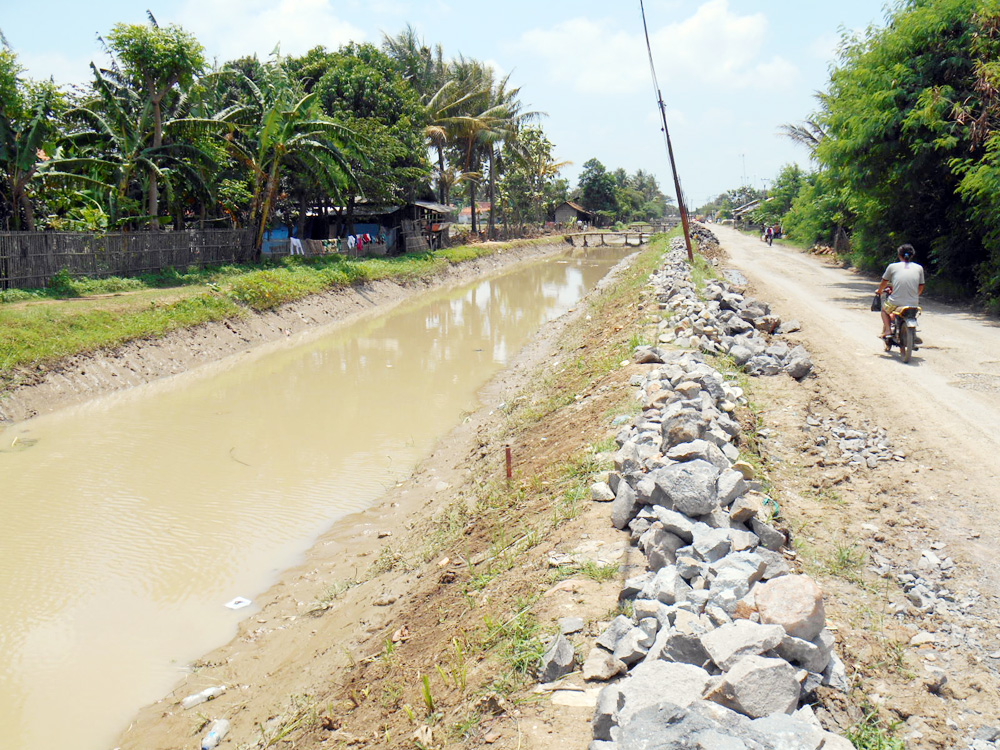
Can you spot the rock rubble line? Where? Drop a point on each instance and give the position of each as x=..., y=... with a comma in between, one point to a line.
x=724, y=646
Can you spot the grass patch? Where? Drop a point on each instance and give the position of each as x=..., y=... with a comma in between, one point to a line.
x=516, y=641
x=847, y=562
x=590, y=569
x=702, y=271
x=871, y=733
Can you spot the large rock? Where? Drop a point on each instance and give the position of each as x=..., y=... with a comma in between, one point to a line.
x=770, y=537
x=656, y=682
x=683, y=427
x=633, y=646
x=791, y=732
x=674, y=522
x=615, y=631
x=649, y=355
x=758, y=686
x=795, y=602
x=646, y=608
x=747, y=507
x=730, y=643
x=730, y=486
x=776, y=564
x=601, y=492
x=811, y=656
x=690, y=487
x=710, y=544
x=660, y=547
x=557, y=661
x=625, y=506
x=602, y=666
x=609, y=703
x=700, y=726
x=667, y=586
x=685, y=648
x=699, y=449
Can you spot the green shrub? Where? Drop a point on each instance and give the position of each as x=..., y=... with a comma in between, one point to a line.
x=62, y=284
x=16, y=295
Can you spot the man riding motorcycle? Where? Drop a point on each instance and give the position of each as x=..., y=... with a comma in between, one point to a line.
x=905, y=281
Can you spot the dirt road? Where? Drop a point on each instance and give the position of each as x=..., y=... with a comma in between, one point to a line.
x=864, y=533
x=947, y=398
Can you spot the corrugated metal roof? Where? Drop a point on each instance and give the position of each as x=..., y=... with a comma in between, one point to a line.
x=436, y=207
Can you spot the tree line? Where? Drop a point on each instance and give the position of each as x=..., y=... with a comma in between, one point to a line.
x=161, y=139
x=906, y=147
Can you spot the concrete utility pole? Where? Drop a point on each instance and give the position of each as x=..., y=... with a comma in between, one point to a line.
x=670, y=149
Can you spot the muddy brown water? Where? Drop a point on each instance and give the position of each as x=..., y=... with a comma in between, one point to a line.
x=131, y=521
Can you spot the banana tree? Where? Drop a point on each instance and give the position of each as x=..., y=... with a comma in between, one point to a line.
x=113, y=144
x=280, y=130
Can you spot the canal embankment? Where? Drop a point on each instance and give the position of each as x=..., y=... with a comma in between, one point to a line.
x=63, y=373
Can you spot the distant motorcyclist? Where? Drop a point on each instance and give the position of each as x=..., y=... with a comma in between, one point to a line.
x=905, y=281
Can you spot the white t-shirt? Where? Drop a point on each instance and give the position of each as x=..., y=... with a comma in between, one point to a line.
x=905, y=278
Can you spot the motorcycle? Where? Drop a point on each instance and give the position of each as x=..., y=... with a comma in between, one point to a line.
x=903, y=331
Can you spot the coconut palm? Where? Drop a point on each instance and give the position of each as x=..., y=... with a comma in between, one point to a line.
x=281, y=129
x=810, y=133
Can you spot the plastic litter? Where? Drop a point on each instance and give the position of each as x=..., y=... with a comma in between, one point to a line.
x=205, y=695
x=220, y=728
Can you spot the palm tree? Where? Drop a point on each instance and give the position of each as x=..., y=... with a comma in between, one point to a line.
x=282, y=130
x=505, y=125
x=810, y=133
x=113, y=144
x=423, y=68
x=444, y=125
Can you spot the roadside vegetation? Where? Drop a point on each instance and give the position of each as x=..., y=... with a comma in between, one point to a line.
x=162, y=138
x=905, y=147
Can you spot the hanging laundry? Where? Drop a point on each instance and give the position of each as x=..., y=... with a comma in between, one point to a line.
x=295, y=246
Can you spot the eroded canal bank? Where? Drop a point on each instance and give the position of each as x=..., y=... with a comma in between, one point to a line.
x=135, y=517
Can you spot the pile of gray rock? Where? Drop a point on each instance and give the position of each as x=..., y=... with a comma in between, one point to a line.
x=719, y=644
x=723, y=642
x=725, y=321
x=840, y=443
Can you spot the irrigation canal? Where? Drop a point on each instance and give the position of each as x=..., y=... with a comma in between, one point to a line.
x=130, y=521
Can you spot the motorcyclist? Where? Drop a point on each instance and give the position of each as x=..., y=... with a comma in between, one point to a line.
x=905, y=281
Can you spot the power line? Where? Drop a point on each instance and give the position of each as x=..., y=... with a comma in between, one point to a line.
x=666, y=137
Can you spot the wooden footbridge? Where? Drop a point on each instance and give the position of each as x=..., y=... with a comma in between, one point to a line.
x=608, y=239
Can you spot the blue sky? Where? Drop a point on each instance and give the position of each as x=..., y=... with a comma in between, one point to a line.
x=731, y=71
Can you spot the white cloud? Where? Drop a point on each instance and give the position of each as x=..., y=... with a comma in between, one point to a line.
x=583, y=54
x=716, y=46
x=234, y=28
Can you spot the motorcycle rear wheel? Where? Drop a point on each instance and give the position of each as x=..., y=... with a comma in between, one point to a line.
x=906, y=343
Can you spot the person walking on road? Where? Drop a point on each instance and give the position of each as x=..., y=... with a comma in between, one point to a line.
x=905, y=282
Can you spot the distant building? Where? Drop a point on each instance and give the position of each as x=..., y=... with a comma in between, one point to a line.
x=482, y=209
x=570, y=212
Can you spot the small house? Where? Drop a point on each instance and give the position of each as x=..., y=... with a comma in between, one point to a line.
x=570, y=213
